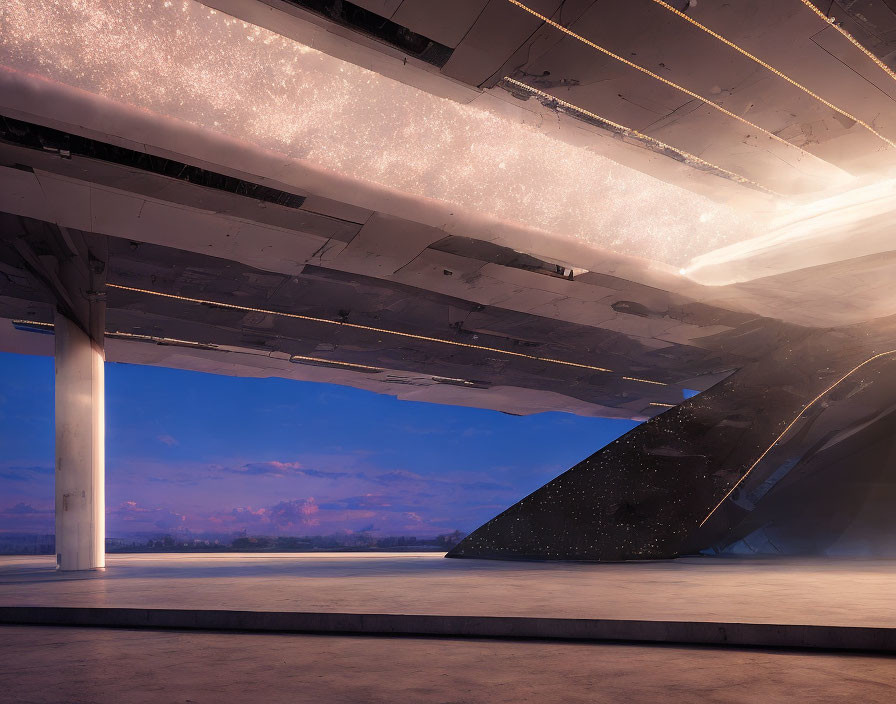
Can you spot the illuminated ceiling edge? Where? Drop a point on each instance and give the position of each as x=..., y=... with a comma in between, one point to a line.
x=209, y=150
x=26, y=97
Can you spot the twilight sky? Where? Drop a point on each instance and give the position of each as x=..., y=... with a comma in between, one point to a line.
x=279, y=457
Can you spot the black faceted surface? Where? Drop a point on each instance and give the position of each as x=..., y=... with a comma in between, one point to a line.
x=646, y=494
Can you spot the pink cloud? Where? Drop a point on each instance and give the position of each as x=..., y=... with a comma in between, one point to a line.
x=143, y=518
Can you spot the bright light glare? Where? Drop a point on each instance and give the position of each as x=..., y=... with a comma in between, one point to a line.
x=184, y=60
x=843, y=225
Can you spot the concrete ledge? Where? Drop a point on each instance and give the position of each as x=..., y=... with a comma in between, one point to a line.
x=680, y=632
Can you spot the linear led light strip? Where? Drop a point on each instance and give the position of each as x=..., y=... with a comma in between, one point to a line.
x=778, y=73
x=303, y=358
x=126, y=335
x=639, y=135
x=791, y=424
x=193, y=343
x=154, y=338
x=706, y=101
x=634, y=378
x=833, y=22
x=357, y=326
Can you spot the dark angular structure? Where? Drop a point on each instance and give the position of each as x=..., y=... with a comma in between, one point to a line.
x=791, y=454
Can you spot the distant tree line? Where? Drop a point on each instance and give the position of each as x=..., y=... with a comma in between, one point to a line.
x=32, y=544
x=27, y=544
x=308, y=543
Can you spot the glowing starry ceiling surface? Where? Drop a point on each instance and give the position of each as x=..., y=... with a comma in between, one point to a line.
x=186, y=61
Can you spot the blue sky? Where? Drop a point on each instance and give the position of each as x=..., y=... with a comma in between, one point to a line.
x=220, y=454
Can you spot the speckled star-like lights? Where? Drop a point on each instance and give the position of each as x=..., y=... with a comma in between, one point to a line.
x=184, y=60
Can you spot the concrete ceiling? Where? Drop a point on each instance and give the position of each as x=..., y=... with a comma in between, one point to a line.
x=436, y=263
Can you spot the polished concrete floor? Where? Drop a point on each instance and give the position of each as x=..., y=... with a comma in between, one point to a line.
x=98, y=666
x=816, y=592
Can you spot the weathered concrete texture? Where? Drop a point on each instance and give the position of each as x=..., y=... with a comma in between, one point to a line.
x=80, y=448
x=812, y=592
x=44, y=664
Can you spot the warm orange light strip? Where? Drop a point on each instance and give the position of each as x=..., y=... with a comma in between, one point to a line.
x=640, y=135
x=643, y=381
x=158, y=340
x=370, y=328
x=127, y=335
x=335, y=362
x=791, y=424
x=33, y=322
x=778, y=73
x=832, y=21
x=607, y=52
x=664, y=405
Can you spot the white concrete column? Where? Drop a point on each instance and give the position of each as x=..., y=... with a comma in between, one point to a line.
x=80, y=449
